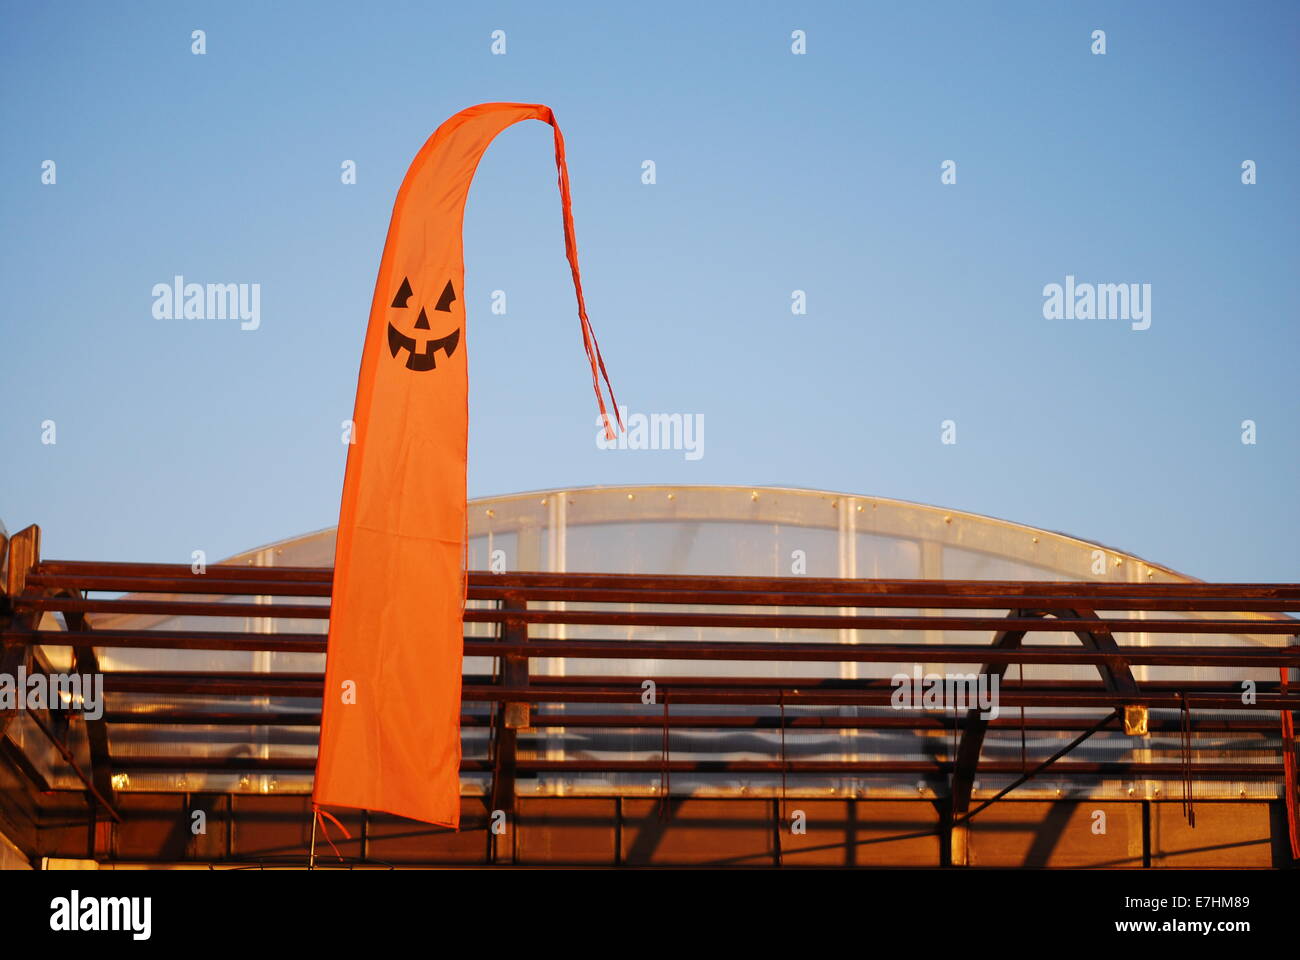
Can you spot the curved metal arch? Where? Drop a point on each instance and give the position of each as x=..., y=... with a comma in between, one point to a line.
x=1115, y=676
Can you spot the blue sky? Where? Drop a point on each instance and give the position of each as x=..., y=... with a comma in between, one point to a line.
x=775, y=172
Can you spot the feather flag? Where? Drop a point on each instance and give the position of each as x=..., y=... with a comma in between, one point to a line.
x=390, y=723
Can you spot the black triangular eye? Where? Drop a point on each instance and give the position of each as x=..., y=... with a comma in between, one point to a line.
x=447, y=298
x=403, y=293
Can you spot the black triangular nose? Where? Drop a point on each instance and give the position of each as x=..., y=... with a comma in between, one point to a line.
x=403, y=293
x=422, y=322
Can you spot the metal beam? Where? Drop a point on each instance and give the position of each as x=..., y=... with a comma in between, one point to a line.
x=24, y=553
x=1228, y=770
x=12, y=657
x=754, y=585
x=511, y=717
x=972, y=740
x=868, y=651
x=645, y=618
x=86, y=661
x=648, y=590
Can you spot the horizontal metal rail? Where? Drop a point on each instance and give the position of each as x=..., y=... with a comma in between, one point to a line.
x=699, y=721
x=623, y=649
x=811, y=767
x=792, y=693
x=756, y=586
x=923, y=596
x=646, y=618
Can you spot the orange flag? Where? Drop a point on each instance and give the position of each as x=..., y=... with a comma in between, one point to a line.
x=390, y=724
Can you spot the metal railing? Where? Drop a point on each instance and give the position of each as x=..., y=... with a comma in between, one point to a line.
x=1093, y=624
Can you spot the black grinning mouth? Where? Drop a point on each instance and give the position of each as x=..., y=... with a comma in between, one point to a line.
x=427, y=359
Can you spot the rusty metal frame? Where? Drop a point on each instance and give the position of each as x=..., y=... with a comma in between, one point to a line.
x=523, y=701
x=22, y=635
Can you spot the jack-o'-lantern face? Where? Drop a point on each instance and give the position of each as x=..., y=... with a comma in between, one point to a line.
x=421, y=349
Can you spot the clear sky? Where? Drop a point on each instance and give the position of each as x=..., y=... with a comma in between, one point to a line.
x=775, y=172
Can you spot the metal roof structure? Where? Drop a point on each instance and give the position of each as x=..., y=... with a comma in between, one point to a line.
x=679, y=646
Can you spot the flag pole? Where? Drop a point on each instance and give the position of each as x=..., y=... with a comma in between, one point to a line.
x=311, y=860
